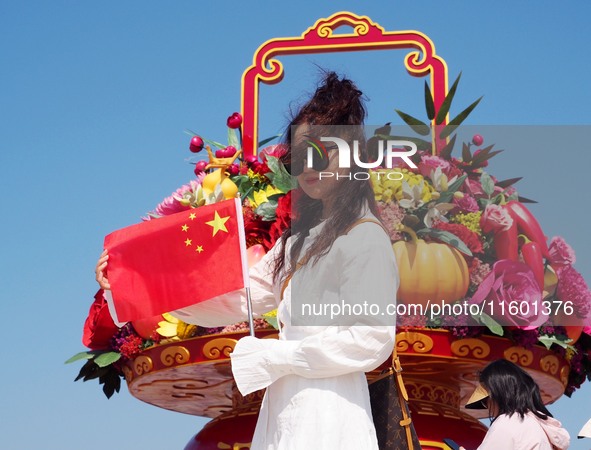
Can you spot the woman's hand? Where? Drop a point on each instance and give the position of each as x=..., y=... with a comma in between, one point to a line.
x=101, y=265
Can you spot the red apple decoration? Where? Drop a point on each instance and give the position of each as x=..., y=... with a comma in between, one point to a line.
x=477, y=140
x=200, y=167
x=234, y=121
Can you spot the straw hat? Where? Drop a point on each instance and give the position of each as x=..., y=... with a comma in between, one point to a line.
x=478, y=398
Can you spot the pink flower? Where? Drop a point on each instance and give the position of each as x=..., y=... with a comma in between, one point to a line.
x=572, y=287
x=171, y=205
x=515, y=295
x=466, y=204
x=495, y=218
x=276, y=150
x=429, y=163
x=561, y=253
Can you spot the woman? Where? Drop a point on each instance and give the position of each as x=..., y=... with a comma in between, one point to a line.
x=519, y=418
x=335, y=252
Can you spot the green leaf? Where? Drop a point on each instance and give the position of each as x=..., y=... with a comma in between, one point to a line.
x=417, y=125
x=213, y=143
x=487, y=183
x=491, y=324
x=267, y=210
x=484, y=155
x=456, y=121
x=271, y=320
x=429, y=105
x=107, y=358
x=444, y=109
x=81, y=355
x=558, y=340
x=447, y=238
x=233, y=138
x=279, y=176
x=445, y=152
x=451, y=189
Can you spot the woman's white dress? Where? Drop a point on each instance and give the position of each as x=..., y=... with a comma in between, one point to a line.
x=317, y=396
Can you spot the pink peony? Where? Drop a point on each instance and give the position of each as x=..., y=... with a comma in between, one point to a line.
x=429, y=163
x=276, y=150
x=171, y=205
x=561, y=253
x=495, y=219
x=515, y=295
x=466, y=204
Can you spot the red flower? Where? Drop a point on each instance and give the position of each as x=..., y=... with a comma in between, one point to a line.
x=99, y=327
x=256, y=229
x=468, y=237
x=283, y=220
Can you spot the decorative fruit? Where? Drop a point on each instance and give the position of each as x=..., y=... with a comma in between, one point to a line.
x=196, y=144
x=254, y=254
x=477, y=140
x=211, y=180
x=234, y=169
x=251, y=159
x=146, y=327
x=200, y=167
x=430, y=271
x=234, y=121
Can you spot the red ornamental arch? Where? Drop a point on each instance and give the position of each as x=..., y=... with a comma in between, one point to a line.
x=321, y=38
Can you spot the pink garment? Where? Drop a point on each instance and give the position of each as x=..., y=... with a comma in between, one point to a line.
x=529, y=433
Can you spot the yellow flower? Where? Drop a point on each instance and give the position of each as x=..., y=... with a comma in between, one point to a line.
x=262, y=195
x=174, y=329
x=469, y=220
x=386, y=189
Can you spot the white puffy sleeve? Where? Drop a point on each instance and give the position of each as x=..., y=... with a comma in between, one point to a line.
x=367, y=272
x=231, y=308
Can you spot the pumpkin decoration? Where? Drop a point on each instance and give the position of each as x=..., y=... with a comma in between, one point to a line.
x=430, y=271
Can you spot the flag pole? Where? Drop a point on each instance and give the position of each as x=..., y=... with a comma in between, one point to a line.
x=242, y=238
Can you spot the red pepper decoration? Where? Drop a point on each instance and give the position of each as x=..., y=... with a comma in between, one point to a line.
x=507, y=243
x=532, y=256
x=528, y=225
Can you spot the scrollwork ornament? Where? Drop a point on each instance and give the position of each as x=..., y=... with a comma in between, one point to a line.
x=174, y=354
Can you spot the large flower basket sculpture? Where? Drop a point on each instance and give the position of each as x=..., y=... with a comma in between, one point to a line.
x=461, y=237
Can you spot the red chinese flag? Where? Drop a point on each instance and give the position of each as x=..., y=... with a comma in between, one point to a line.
x=176, y=261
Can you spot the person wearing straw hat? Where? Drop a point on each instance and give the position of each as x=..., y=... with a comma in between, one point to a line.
x=585, y=431
x=519, y=418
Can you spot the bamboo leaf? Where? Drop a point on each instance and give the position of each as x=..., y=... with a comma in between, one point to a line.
x=508, y=182
x=233, y=138
x=481, y=157
x=526, y=200
x=266, y=141
x=448, y=195
x=466, y=154
x=456, y=121
x=429, y=105
x=420, y=143
x=213, y=143
x=447, y=238
x=417, y=125
x=445, y=152
x=444, y=109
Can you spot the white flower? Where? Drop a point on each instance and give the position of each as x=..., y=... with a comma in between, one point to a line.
x=440, y=181
x=437, y=211
x=412, y=196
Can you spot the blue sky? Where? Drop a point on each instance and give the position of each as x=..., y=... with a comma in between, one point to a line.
x=94, y=101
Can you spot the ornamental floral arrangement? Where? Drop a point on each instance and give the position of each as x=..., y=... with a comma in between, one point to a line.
x=465, y=237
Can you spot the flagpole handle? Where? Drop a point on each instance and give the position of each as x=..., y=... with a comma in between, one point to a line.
x=249, y=308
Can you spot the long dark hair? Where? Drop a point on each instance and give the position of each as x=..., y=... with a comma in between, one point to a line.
x=335, y=102
x=512, y=390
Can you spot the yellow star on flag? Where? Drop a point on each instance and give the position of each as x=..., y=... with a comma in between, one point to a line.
x=218, y=223
x=192, y=216
x=188, y=242
x=199, y=249
x=185, y=227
